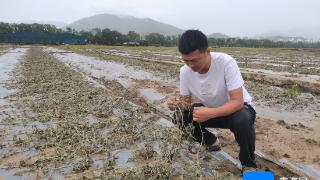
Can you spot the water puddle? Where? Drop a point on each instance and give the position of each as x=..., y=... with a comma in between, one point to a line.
x=292, y=117
x=223, y=156
x=217, y=155
x=54, y=175
x=29, y=152
x=261, y=63
x=164, y=122
x=99, y=163
x=311, y=171
x=91, y=119
x=123, y=157
x=12, y=175
x=15, y=131
x=307, y=169
x=151, y=95
x=67, y=167
x=286, y=74
x=207, y=170
x=103, y=69
x=141, y=54
x=156, y=147
x=4, y=92
x=8, y=62
x=178, y=169
x=24, y=127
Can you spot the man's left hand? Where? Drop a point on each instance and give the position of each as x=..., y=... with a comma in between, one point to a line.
x=202, y=114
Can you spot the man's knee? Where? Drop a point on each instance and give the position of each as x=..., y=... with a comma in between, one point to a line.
x=242, y=121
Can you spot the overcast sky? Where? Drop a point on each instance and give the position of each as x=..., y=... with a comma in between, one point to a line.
x=232, y=17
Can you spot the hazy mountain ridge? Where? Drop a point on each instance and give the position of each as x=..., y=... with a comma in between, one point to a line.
x=123, y=24
x=295, y=33
x=144, y=26
x=58, y=24
x=218, y=36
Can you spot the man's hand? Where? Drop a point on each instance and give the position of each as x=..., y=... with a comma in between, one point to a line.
x=202, y=114
x=173, y=102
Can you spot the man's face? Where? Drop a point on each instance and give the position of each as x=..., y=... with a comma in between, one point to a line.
x=196, y=60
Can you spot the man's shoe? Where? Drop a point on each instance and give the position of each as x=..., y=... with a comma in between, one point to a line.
x=248, y=169
x=210, y=148
x=216, y=146
x=213, y=147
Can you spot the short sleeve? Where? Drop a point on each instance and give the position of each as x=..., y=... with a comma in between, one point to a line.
x=232, y=74
x=184, y=90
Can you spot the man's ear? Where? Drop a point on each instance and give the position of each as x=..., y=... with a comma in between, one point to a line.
x=208, y=51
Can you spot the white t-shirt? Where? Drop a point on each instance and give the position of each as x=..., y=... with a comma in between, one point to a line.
x=212, y=87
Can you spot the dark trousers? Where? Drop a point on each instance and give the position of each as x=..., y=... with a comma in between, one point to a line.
x=241, y=123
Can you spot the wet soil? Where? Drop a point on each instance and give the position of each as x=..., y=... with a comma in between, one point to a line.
x=81, y=130
x=299, y=110
x=80, y=119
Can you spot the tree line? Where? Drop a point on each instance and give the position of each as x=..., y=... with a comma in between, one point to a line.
x=113, y=37
x=107, y=36
x=95, y=36
x=261, y=43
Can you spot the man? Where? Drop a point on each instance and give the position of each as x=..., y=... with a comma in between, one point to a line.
x=215, y=79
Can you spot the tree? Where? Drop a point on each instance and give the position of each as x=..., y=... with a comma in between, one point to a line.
x=133, y=36
x=97, y=36
x=155, y=38
x=5, y=28
x=88, y=35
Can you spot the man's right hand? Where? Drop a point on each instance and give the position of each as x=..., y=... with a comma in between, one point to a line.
x=173, y=102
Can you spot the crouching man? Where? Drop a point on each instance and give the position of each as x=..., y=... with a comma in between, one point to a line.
x=215, y=79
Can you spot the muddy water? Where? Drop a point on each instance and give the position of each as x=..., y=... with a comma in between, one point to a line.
x=307, y=118
x=123, y=157
x=97, y=68
x=287, y=74
x=151, y=95
x=8, y=62
x=307, y=169
x=8, y=112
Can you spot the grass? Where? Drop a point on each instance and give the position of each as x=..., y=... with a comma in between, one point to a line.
x=291, y=91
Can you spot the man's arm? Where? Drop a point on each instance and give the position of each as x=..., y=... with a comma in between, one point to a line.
x=201, y=114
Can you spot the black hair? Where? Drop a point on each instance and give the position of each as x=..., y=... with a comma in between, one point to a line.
x=192, y=40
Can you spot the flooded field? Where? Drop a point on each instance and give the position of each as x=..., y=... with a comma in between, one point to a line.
x=77, y=112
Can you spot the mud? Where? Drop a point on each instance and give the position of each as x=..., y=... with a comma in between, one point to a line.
x=96, y=121
x=270, y=100
x=307, y=82
x=88, y=132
